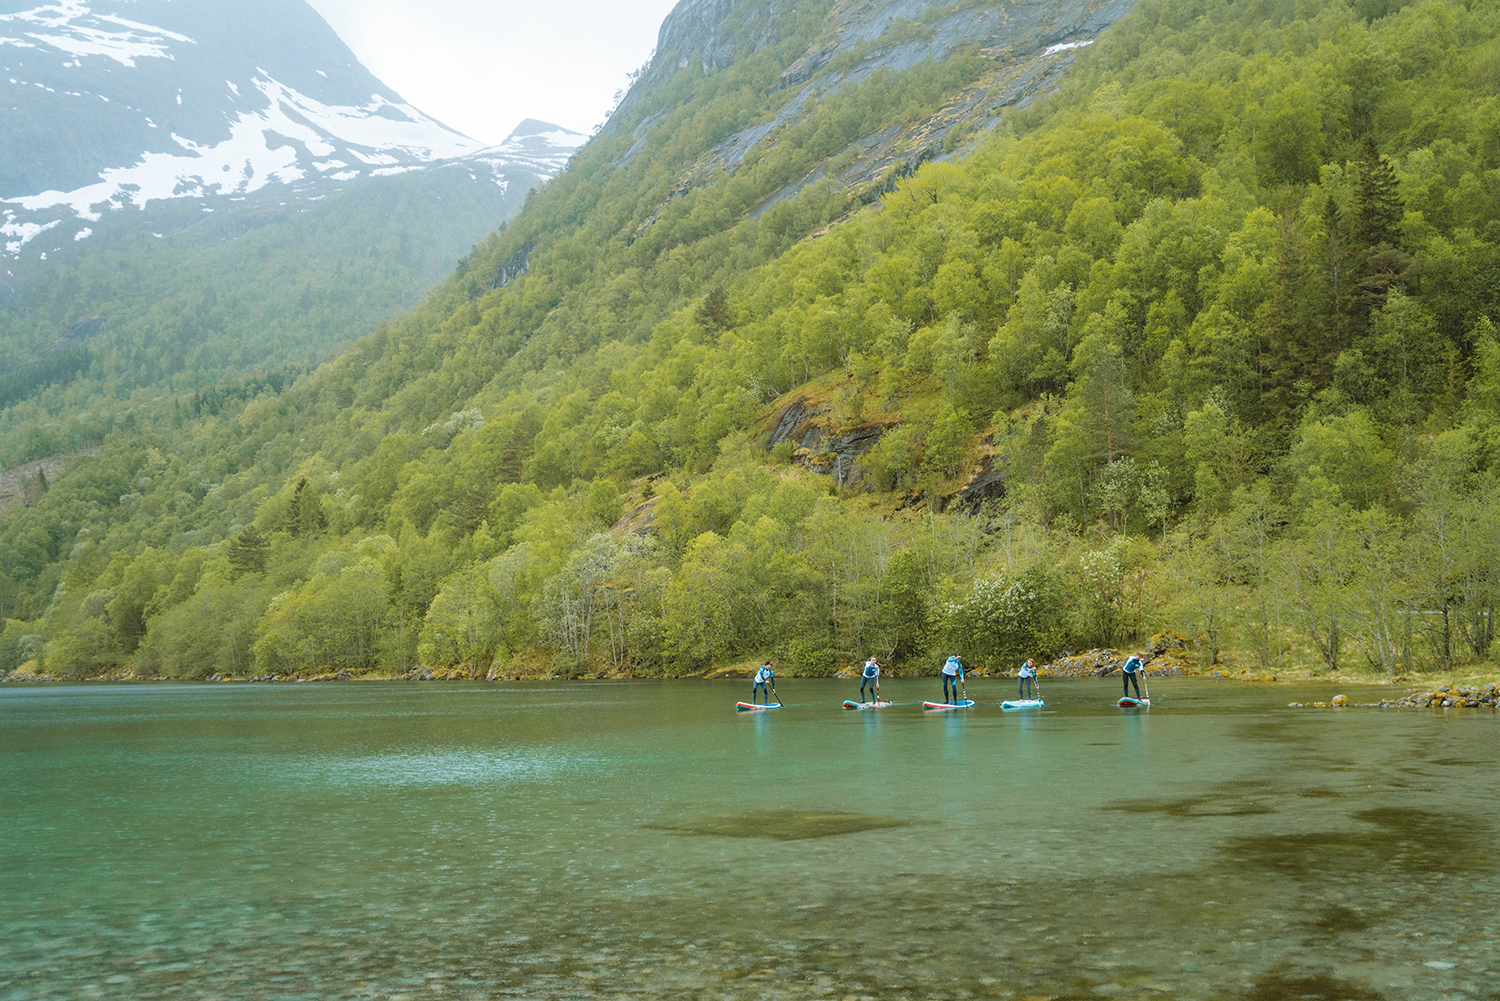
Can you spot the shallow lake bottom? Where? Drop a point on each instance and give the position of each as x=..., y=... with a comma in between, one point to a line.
x=643, y=840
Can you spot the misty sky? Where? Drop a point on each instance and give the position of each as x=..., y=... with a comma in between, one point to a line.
x=480, y=66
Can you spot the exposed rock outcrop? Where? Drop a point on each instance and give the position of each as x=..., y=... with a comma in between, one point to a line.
x=512, y=269
x=824, y=444
x=987, y=483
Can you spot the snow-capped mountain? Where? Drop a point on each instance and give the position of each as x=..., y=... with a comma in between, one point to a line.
x=113, y=104
x=540, y=146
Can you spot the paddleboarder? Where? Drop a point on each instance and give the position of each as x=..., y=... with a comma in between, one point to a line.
x=1024, y=682
x=764, y=678
x=871, y=677
x=953, y=674
x=1130, y=675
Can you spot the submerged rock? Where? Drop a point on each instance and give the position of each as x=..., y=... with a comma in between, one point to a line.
x=782, y=825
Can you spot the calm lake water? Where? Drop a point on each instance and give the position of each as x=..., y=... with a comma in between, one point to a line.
x=643, y=840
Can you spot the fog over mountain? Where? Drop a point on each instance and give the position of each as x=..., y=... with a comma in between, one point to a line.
x=113, y=104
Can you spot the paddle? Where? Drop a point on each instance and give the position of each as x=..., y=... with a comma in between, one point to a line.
x=1145, y=682
x=1036, y=683
x=775, y=696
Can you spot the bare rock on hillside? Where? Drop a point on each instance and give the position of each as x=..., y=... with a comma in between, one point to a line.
x=986, y=483
x=1026, y=47
x=825, y=444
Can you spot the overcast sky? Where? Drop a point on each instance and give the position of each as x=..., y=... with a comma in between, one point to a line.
x=481, y=66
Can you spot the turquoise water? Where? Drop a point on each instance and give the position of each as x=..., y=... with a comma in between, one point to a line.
x=643, y=840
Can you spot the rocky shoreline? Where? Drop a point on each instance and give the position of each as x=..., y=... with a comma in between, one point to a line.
x=1164, y=656
x=1446, y=696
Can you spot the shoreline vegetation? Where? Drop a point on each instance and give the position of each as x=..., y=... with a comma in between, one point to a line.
x=1101, y=663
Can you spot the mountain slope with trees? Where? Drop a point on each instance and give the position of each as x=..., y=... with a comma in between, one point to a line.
x=1214, y=320
x=190, y=192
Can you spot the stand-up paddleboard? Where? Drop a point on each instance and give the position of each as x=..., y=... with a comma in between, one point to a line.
x=1128, y=701
x=747, y=707
x=851, y=704
x=1021, y=703
x=962, y=704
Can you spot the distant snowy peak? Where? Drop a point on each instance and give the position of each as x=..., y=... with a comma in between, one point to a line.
x=114, y=104
x=541, y=147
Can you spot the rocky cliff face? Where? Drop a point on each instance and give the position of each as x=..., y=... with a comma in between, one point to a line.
x=1026, y=47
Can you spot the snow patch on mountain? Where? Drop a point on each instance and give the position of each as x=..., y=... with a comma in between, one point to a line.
x=73, y=28
x=108, y=112
x=542, y=146
x=277, y=143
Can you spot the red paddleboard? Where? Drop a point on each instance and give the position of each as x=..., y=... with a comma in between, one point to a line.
x=746, y=707
x=1128, y=701
x=851, y=704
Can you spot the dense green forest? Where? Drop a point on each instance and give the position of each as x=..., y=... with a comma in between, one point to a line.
x=146, y=317
x=1220, y=309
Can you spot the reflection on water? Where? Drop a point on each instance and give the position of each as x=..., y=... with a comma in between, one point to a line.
x=645, y=841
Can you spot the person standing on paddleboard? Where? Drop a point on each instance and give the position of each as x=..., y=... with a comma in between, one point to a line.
x=1024, y=681
x=953, y=674
x=764, y=678
x=1130, y=675
x=871, y=677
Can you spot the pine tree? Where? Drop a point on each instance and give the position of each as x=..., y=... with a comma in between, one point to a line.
x=1378, y=212
x=247, y=552
x=713, y=312
x=1338, y=269
x=314, y=520
x=293, y=523
x=1377, y=201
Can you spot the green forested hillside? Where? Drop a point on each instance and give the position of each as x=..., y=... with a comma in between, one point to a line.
x=138, y=326
x=1220, y=311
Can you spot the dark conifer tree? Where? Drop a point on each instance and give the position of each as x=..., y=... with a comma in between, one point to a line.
x=293, y=524
x=1292, y=361
x=1377, y=201
x=314, y=519
x=247, y=552
x=1338, y=265
x=713, y=312
x=1376, y=236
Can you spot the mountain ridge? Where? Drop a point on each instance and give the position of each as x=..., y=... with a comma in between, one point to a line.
x=204, y=103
